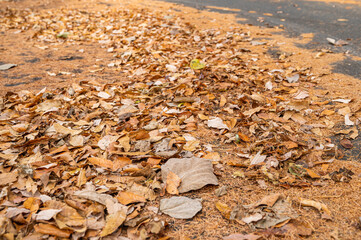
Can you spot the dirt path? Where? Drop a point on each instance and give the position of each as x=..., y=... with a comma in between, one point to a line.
x=111, y=58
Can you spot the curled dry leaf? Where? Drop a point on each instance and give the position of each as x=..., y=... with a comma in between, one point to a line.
x=7, y=66
x=348, y=122
x=269, y=200
x=319, y=206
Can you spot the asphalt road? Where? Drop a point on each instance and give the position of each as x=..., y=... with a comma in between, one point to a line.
x=325, y=20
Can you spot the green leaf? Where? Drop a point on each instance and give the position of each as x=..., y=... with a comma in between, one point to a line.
x=196, y=64
x=63, y=35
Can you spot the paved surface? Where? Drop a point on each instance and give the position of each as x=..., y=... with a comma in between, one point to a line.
x=325, y=20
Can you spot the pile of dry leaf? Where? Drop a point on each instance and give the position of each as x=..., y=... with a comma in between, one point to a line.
x=93, y=160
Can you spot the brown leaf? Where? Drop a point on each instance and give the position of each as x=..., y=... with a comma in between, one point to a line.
x=319, y=206
x=346, y=143
x=113, y=222
x=68, y=217
x=106, y=141
x=290, y=144
x=52, y=230
x=82, y=179
x=195, y=172
x=129, y=197
x=223, y=101
x=172, y=183
x=6, y=178
x=269, y=200
x=214, y=156
x=101, y=162
x=142, y=134
x=120, y=162
x=238, y=236
x=298, y=227
x=312, y=174
x=64, y=130
x=243, y=137
x=224, y=209
x=32, y=204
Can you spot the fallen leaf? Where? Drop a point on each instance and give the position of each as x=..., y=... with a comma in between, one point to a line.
x=217, y=123
x=64, y=130
x=68, y=217
x=7, y=66
x=224, y=209
x=293, y=79
x=344, y=111
x=194, y=173
x=213, y=156
x=51, y=230
x=113, y=221
x=223, y=101
x=258, y=158
x=269, y=85
x=101, y=162
x=319, y=206
x=342, y=100
x=312, y=174
x=221, y=191
x=196, y=64
x=243, y=137
x=191, y=145
x=269, y=200
x=172, y=183
x=14, y=211
x=348, y=122
x=47, y=214
x=7, y=178
x=49, y=105
x=252, y=218
x=331, y=40
x=171, y=68
x=94, y=196
x=346, y=143
x=106, y=141
x=327, y=112
x=297, y=227
x=180, y=207
x=76, y=141
x=238, y=236
x=129, y=197
x=301, y=94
